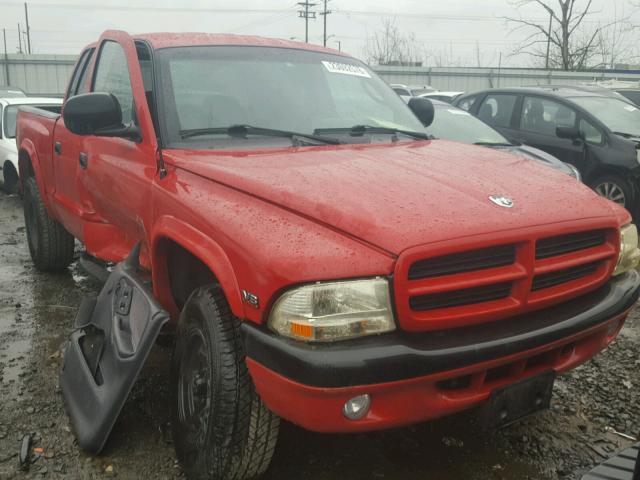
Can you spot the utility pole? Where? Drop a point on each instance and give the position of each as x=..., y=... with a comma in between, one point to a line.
x=6, y=57
x=324, y=17
x=306, y=14
x=19, y=39
x=26, y=17
x=549, y=40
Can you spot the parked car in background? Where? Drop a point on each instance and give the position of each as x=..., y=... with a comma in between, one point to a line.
x=629, y=90
x=407, y=92
x=7, y=91
x=448, y=97
x=595, y=132
x=453, y=123
x=8, y=149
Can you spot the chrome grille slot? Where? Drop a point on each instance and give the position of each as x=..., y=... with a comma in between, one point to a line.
x=573, y=242
x=463, y=262
x=457, y=298
x=551, y=279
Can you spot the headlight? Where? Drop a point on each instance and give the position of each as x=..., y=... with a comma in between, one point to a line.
x=629, y=253
x=325, y=312
x=638, y=154
x=574, y=172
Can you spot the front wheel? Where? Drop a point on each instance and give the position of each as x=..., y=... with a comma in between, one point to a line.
x=221, y=429
x=50, y=245
x=614, y=188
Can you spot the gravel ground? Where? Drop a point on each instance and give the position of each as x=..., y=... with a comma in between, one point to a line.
x=36, y=314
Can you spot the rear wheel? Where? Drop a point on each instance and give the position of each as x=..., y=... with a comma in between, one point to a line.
x=10, y=178
x=50, y=245
x=614, y=188
x=221, y=428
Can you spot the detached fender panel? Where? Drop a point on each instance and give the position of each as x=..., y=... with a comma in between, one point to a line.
x=114, y=335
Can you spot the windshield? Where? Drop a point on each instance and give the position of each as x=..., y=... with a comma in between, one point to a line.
x=452, y=123
x=617, y=115
x=276, y=88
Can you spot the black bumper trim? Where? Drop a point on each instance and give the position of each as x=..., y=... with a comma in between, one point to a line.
x=402, y=355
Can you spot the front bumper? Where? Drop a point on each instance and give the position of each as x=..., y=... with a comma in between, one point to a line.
x=413, y=377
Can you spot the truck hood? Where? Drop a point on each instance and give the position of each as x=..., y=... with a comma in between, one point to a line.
x=396, y=196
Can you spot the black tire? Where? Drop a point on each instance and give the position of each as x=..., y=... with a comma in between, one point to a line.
x=50, y=245
x=221, y=429
x=615, y=188
x=10, y=178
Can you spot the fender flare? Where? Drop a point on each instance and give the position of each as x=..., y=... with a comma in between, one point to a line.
x=28, y=148
x=201, y=246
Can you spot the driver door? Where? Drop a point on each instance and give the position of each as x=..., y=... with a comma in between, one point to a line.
x=119, y=171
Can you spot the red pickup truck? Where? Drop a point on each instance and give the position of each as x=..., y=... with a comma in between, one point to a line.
x=321, y=258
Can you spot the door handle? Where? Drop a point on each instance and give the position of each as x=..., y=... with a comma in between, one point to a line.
x=57, y=147
x=83, y=160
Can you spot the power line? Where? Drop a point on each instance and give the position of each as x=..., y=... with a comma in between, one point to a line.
x=306, y=14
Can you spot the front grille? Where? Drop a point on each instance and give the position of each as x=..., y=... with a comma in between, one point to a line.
x=551, y=279
x=458, y=298
x=529, y=271
x=561, y=245
x=463, y=262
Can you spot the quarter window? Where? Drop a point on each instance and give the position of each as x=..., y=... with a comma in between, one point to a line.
x=543, y=116
x=590, y=133
x=497, y=109
x=112, y=76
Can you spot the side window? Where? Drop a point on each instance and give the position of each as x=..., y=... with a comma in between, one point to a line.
x=77, y=73
x=402, y=91
x=112, y=76
x=497, y=109
x=83, y=80
x=467, y=103
x=543, y=116
x=590, y=133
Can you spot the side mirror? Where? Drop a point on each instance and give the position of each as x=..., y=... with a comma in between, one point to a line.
x=570, y=133
x=97, y=114
x=423, y=109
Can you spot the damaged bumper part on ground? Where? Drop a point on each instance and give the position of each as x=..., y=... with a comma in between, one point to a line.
x=430, y=375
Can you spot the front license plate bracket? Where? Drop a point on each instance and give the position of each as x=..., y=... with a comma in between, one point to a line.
x=513, y=402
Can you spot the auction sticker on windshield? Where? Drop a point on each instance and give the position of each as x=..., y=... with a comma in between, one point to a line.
x=346, y=69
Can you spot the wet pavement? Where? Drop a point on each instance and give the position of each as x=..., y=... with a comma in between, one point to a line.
x=36, y=316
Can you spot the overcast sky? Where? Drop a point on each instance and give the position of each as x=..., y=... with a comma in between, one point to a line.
x=448, y=29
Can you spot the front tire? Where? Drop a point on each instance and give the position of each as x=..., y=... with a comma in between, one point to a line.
x=50, y=245
x=614, y=188
x=221, y=429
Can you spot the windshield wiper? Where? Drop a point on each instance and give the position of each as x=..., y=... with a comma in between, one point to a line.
x=627, y=135
x=241, y=131
x=359, y=130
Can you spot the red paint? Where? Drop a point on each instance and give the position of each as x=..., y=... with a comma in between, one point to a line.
x=416, y=400
x=264, y=220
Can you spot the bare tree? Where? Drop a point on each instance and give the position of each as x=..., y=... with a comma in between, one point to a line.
x=391, y=47
x=618, y=41
x=564, y=42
